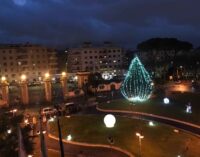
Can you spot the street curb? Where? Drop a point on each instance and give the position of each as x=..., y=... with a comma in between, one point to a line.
x=150, y=115
x=92, y=145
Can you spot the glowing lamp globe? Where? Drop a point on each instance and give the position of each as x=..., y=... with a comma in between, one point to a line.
x=166, y=101
x=109, y=120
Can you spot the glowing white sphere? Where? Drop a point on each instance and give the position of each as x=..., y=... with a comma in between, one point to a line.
x=166, y=100
x=109, y=120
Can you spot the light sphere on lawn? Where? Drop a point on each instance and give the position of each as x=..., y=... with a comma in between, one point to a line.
x=109, y=120
x=166, y=100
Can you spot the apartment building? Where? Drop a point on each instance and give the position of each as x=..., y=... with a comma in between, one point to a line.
x=95, y=59
x=32, y=60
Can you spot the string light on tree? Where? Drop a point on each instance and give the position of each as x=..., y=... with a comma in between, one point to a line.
x=137, y=85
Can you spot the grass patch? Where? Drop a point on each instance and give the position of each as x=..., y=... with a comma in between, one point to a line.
x=158, y=141
x=176, y=108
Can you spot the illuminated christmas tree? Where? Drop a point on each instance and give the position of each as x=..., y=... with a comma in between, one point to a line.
x=137, y=85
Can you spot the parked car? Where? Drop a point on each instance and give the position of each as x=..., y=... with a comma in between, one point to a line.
x=70, y=107
x=48, y=111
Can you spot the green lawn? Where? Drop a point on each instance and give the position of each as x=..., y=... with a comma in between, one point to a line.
x=176, y=108
x=159, y=141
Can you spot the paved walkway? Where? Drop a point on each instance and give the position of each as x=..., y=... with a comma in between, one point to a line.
x=76, y=150
x=71, y=150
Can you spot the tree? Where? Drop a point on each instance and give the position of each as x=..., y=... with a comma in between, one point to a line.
x=94, y=80
x=137, y=85
x=9, y=140
x=166, y=45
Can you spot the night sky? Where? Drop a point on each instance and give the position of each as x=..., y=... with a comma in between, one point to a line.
x=66, y=23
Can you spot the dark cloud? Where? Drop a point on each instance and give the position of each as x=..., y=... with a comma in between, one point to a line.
x=70, y=22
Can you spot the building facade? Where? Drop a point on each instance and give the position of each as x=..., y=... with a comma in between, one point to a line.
x=31, y=60
x=106, y=58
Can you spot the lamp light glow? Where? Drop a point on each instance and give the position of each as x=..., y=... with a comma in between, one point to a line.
x=47, y=75
x=23, y=77
x=166, y=100
x=3, y=78
x=69, y=137
x=9, y=131
x=151, y=123
x=109, y=120
x=63, y=74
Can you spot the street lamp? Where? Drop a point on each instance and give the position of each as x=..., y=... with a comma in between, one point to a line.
x=47, y=75
x=23, y=77
x=63, y=74
x=13, y=111
x=140, y=137
x=3, y=78
x=59, y=133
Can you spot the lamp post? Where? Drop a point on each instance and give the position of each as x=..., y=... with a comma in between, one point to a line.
x=59, y=133
x=140, y=137
x=63, y=81
x=47, y=87
x=109, y=121
x=42, y=139
x=5, y=91
x=24, y=89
